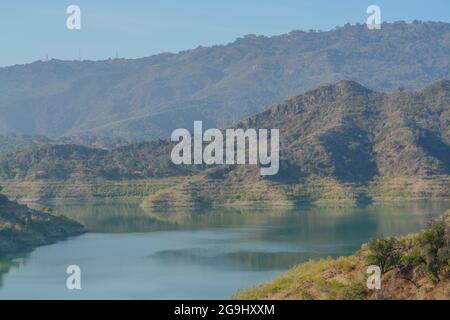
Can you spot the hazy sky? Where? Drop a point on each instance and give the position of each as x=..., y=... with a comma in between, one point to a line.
x=30, y=29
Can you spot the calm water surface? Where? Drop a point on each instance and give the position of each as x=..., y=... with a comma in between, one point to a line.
x=132, y=253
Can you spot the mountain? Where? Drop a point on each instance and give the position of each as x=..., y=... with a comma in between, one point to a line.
x=143, y=99
x=352, y=133
x=22, y=228
x=13, y=142
x=66, y=161
x=415, y=268
x=340, y=141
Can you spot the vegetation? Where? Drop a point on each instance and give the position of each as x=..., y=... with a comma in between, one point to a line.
x=340, y=143
x=385, y=253
x=22, y=228
x=147, y=98
x=413, y=267
x=427, y=253
x=12, y=142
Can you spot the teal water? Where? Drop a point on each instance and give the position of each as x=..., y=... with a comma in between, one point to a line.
x=132, y=253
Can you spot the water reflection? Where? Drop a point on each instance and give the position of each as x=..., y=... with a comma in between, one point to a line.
x=285, y=236
x=299, y=223
x=11, y=261
x=203, y=253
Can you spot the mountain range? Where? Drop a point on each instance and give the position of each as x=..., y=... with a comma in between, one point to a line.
x=338, y=141
x=131, y=100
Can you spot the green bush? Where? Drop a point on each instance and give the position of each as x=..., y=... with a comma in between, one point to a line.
x=429, y=251
x=384, y=253
x=355, y=291
x=434, y=249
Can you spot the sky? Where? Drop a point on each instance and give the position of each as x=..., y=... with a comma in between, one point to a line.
x=31, y=30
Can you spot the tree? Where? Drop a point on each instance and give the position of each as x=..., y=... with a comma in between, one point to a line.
x=435, y=249
x=430, y=251
x=384, y=253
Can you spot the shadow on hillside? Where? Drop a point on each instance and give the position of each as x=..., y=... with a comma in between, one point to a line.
x=434, y=146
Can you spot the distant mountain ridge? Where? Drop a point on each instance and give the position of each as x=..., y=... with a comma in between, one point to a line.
x=12, y=142
x=147, y=98
x=337, y=141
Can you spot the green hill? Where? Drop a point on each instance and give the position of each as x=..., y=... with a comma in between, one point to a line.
x=338, y=143
x=343, y=142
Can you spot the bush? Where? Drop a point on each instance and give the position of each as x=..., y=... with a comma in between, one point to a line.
x=429, y=251
x=355, y=291
x=384, y=253
x=434, y=248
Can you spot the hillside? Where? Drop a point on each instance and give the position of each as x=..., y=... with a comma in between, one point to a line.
x=11, y=142
x=22, y=228
x=144, y=99
x=415, y=267
x=339, y=142
x=65, y=161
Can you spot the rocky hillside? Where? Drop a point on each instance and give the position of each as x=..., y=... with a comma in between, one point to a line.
x=413, y=267
x=354, y=134
x=147, y=98
x=340, y=141
x=22, y=228
x=343, y=142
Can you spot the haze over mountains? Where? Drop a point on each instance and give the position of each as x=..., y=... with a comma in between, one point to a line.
x=147, y=98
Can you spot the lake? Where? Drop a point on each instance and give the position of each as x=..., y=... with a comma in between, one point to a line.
x=134, y=253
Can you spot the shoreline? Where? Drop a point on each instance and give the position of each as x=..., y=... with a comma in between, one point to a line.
x=345, y=278
x=194, y=191
x=23, y=228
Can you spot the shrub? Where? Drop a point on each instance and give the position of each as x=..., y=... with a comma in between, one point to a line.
x=384, y=253
x=434, y=249
x=355, y=291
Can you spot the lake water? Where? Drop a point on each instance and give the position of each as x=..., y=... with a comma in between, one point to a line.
x=132, y=253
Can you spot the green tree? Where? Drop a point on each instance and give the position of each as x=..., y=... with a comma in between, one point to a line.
x=384, y=253
x=435, y=249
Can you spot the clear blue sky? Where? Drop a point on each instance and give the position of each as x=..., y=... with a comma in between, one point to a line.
x=30, y=29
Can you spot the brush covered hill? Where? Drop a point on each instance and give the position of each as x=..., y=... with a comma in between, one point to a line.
x=134, y=99
x=22, y=228
x=65, y=161
x=11, y=142
x=340, y=142
x=414, y=267
x=14, y=142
